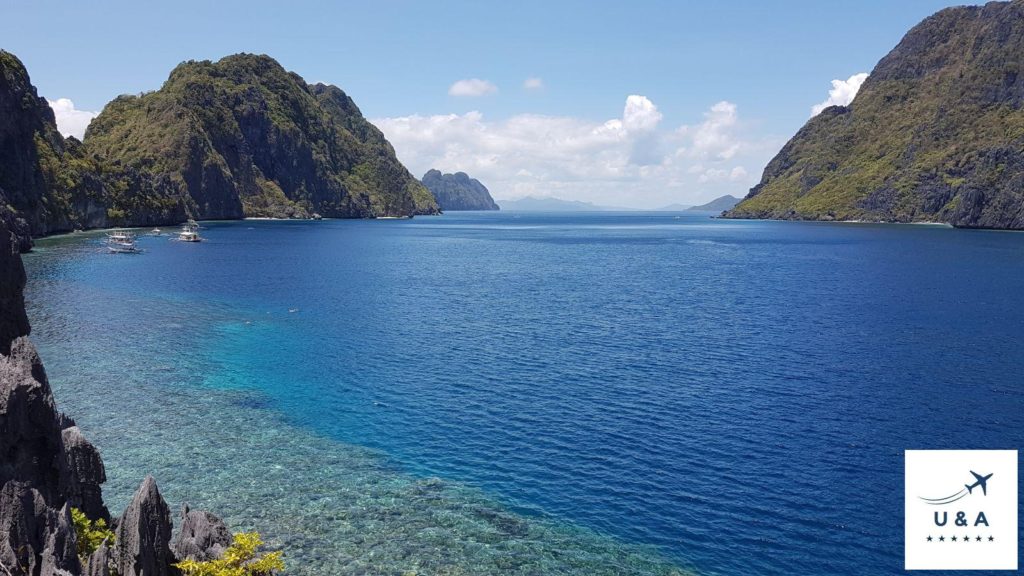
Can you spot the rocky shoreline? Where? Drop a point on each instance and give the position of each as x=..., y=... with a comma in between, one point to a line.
x=48, y=467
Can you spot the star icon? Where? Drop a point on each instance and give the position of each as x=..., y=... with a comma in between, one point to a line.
x=929, y=538
x=978, y=539
x=991, y=538
x=953, y=538
x=942, y=538
x=967, y=538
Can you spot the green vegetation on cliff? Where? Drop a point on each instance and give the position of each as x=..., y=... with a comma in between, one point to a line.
x=242, y=558
x=244, y=137
x=936, y=133
x=54, y=184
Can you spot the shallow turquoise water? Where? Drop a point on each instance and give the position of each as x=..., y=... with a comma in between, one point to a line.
x=530, y=393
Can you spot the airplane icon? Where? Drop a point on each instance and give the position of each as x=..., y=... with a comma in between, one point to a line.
x=982, y=481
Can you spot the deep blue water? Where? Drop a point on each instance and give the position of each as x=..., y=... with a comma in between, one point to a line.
x=728, y=396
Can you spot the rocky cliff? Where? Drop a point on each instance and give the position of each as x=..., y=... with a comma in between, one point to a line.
x=48, y=467
x=245, y=137
x=54, y=184
x=458, y=191
x=936, y=133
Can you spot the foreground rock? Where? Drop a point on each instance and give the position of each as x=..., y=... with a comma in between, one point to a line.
x=933, y=134
x=202, y=536
x=47, y=466
x=143, y=545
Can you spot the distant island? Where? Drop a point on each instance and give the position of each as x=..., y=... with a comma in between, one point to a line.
x=934, y=134
x=717, y=205
x=458, y=191
x=675, y=207
x=533, y=204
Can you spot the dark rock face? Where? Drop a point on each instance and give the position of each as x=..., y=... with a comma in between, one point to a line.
x=202, y=536
x=33, y=451
x=54, y=184
x=44, y=470
x=99, y=562
x=933, y=134
x=26, y=117
x=60, y=556
x=13, y=320
x=144, y=535
x=245, y=137
x=27, y=527
x=458, y=191
x=83, y=473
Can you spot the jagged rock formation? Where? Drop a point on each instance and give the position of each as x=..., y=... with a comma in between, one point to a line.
x=99, y=562
x=936, y=133
x=143, y=544
x=40, y=476
x=54, y=184
x=202, y=536
x=245, y=137
x=47, y=466
x=458, y=191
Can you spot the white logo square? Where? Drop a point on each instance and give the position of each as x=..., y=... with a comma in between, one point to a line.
x=960, y=510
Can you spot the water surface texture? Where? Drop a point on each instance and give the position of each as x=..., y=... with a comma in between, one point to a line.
x=489, y=393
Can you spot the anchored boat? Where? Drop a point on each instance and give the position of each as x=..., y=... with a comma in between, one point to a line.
x=189, y=232
x=121, y=242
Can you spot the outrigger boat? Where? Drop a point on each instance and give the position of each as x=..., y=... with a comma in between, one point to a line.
x=189, y=232
x=121, y=242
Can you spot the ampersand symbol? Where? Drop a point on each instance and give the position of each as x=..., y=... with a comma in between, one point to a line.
x=960, y=519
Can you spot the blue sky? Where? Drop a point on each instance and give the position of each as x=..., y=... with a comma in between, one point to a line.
x=769, y=61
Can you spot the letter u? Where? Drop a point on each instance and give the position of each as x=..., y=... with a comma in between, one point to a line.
x=944, y=518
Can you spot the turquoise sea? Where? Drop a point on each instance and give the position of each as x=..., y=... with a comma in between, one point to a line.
x=503, y=393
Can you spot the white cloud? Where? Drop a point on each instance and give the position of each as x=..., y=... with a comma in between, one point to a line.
x=533, y=84
x=736, y=174
x=842, y=92
x=630, y=160
x=471, y=87
x=640, y=114
x=715, y=137
x=70, y=121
